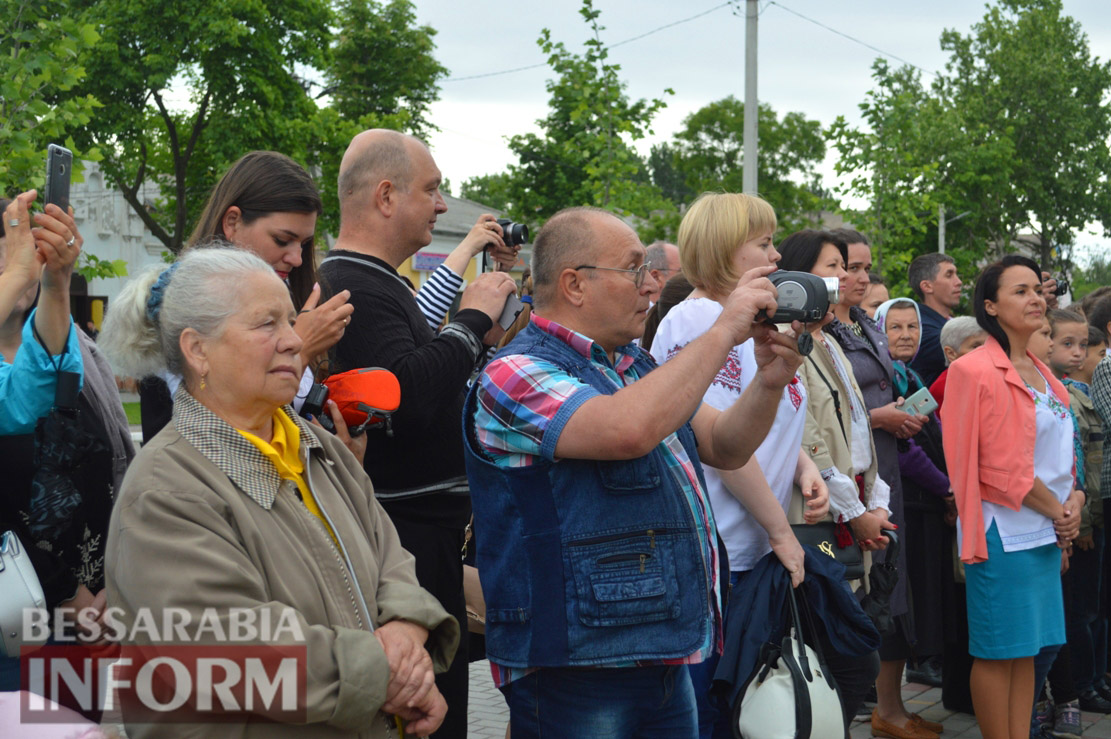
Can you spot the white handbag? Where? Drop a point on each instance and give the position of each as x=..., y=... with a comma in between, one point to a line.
x=791, y=694
x=19, y=590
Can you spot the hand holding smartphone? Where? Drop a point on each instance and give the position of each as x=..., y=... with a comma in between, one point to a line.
x=920, y=403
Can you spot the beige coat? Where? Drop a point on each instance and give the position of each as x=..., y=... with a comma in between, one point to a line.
x=204, y=521
x=825, y=438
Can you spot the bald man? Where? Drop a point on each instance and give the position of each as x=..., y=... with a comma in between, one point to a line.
x=389, y=193
x=663, y=261
x=597, y=546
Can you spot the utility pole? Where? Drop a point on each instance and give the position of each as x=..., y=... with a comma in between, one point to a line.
x=941, y=229
x=751, y=104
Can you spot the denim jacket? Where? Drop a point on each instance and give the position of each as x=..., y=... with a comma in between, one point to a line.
x=585, y=562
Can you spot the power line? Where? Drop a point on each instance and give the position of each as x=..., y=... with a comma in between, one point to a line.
x=670, y=25
x=852, y=38
x=612, y=46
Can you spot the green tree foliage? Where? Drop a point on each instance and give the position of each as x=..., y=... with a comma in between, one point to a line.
x=584, y=155
x=383, y=63
x=189, y=88
x=1096, y=274
x=1025, y=72
x=888, y=165
x=489, y=189
x=707, y=154
x=237, y=62
x=381, y=73
x=42, y=58
x=1012, y=139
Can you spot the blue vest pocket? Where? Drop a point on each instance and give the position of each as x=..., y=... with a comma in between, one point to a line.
x=625, y=581
x=630, y=476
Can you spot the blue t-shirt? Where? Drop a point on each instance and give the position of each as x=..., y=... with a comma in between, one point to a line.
x=27, y=385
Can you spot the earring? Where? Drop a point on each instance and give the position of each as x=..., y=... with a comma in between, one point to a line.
x=203, y=384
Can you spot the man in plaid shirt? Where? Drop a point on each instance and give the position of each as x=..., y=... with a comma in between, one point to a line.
x=596, y=541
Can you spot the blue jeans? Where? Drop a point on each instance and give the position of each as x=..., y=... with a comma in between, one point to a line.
x=1043, y=660
x=603, y=703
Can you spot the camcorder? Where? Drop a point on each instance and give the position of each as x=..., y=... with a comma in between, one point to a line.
x=802, y=297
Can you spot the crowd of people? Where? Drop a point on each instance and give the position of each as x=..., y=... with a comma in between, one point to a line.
x=645, y=459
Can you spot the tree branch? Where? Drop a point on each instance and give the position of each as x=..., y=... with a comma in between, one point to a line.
x=131, y=195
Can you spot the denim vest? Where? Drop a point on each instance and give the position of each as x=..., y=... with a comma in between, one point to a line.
x=585, y=562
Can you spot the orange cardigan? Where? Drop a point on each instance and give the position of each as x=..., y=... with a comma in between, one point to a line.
x=989, y=436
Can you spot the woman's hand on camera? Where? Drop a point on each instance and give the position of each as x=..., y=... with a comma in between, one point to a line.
x=777, y=354
x=355, y=444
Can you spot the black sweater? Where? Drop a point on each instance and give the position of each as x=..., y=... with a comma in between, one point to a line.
x=425, y=454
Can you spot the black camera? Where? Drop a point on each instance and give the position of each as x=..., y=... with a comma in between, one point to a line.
x=513, y=234
x=313, y=407
x=1062, y=286
x=803, y=297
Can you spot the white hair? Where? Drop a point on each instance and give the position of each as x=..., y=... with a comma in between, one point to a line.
x=203, y=291
x=958, y=330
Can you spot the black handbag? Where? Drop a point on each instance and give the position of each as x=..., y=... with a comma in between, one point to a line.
x=823, y=537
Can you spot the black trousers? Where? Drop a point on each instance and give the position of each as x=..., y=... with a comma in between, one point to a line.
x=437, y=549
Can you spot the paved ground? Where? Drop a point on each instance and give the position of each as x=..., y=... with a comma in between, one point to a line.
x=489, y=715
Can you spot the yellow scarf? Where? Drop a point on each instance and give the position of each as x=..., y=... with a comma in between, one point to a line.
x=284, y=452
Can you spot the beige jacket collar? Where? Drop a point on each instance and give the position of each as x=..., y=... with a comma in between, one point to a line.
x=226, y=448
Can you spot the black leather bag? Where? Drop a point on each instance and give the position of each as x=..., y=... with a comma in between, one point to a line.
x=823, y=537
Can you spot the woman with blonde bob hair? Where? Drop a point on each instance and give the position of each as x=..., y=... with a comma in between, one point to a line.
x=240, y=504
x=722, y=236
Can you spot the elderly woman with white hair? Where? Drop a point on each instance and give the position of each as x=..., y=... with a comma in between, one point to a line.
x=240, y=504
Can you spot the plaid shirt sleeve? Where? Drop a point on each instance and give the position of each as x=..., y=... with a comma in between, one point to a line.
x=523, y=405
x=1101, y=400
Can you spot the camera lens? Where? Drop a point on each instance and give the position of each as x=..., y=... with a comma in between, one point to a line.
x=833, y=289
x=513, y=233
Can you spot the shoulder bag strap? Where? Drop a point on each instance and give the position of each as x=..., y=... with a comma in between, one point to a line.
x=834, y=393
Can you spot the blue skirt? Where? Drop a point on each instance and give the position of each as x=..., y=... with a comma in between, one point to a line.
x=1015, y=605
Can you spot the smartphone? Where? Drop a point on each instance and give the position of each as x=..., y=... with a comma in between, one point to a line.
x=59, y=163
x=512, y=309
x=920, y=403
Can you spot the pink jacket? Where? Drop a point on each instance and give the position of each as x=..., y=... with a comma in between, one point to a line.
x=989, y=437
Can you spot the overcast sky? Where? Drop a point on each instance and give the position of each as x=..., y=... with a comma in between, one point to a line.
x=802, y=66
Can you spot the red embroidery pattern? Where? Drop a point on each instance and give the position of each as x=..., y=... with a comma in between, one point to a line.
x=793, y=391
x=729, y=376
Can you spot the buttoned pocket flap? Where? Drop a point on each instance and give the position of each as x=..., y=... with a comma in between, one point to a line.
x=994, y=478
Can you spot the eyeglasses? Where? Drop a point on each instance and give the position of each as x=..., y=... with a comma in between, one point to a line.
x=638, y=273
